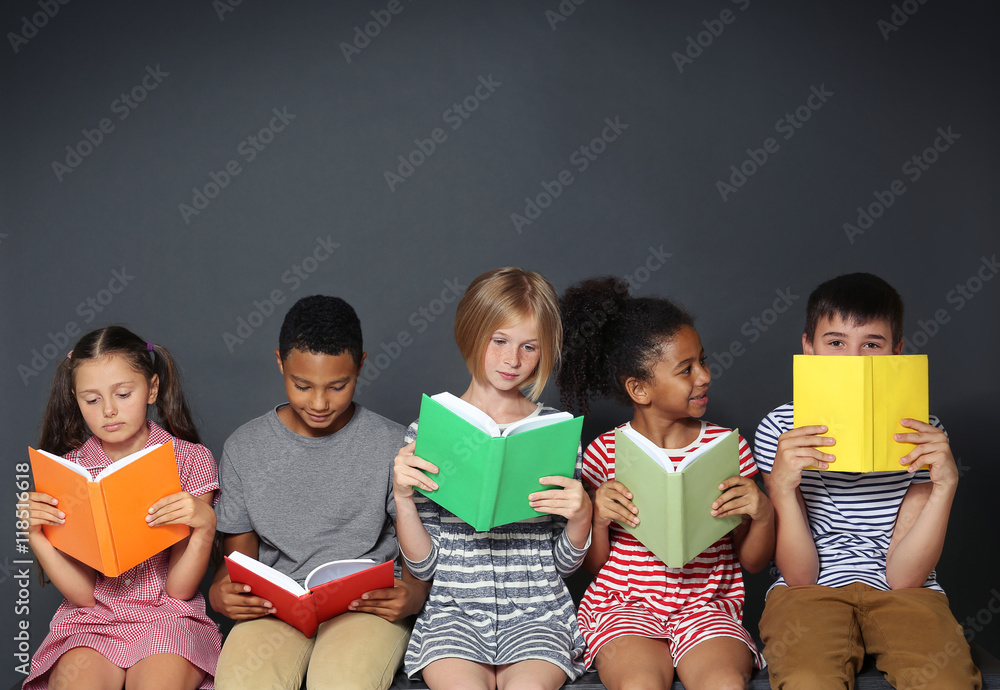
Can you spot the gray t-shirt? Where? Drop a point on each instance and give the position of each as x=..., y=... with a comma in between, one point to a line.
x=311, y=500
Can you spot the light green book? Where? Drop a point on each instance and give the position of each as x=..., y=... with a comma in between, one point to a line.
x=485, y=475
x=675, y=520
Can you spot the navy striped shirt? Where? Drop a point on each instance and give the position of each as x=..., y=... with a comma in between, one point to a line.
x=851, y=514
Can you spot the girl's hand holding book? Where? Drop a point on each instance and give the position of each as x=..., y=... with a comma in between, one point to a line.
x=613, y=501
x=570, y=502
x=741, y=496
x=408, y=472
x=43, y=510
x=182, y=509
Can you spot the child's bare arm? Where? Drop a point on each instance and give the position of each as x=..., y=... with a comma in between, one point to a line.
x=233, y=599
x=754, y=538
x=918, y=537
x=612, y=501
x=73, y=579
x=795, y=550
x=408, y=472
x=188, y=557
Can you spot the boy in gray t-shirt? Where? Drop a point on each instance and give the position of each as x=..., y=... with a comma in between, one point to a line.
x=307, y=483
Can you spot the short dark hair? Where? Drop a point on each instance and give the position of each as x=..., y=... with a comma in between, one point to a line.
x=322, y=325
x=858, y=298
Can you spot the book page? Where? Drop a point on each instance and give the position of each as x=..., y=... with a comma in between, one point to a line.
x=124, y=462
x=468, y=412
x=267, y=573
x=694, y=455
x=68, y=464
x=328, y=572
x=649, y=448
x=535, y=422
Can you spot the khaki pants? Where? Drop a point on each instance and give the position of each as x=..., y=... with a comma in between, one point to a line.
x=815, y=637
x=353, y=650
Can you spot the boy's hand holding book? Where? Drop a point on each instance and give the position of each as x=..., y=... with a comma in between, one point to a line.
x=236, y=600
x=932, y=449
x=797, y=450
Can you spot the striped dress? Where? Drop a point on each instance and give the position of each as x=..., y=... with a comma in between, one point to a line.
x=851, y=514
x=498, y=597
x=635, y=593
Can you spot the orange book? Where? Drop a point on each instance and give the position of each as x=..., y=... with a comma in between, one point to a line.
x=105, y=523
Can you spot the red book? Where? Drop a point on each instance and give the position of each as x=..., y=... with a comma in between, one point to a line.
x=328, y=589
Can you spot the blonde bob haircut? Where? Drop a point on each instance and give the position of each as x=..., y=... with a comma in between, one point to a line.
x=496, y=299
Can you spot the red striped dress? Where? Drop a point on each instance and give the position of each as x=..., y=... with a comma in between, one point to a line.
x=637, y=594
x=134, y=617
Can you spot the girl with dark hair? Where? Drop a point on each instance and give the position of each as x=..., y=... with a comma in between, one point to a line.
x=641, y=619
x=149, y=623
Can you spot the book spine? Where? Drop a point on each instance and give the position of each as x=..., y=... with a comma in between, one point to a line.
x=103, y=528
x=872, y=381
x=491, y=484
x=677, y=543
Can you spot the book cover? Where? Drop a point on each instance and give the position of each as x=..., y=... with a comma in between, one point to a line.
x=105, y=525
x=484, y=477
x=327, y=591
x=675, y=520
x=861, y=400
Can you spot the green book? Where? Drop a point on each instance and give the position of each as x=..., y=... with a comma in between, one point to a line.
x=485, y=475
x=675, y=520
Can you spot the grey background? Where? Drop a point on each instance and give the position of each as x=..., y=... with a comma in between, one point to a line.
x=651, y=191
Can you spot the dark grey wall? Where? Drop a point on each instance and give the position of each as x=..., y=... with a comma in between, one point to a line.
x=98, y=234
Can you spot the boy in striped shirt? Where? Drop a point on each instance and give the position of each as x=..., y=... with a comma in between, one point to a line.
x=856, y=552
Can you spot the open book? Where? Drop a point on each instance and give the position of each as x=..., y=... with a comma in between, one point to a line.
x=861, y=400
x=675, y=520
x=105, y=523
x=485, y=476
x=328, y=589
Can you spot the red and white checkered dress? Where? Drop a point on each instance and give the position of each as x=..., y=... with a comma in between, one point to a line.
x=134, y=617
x=637, y=594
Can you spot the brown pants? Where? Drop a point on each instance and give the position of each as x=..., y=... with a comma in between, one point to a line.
x=815, y=638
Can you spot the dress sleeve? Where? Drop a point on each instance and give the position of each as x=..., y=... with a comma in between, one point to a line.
x=430, y=516
x=567, y=557
x=748, y=468
x=196, y=468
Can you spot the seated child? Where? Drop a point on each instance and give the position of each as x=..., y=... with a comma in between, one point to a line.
x=307, y=483
x=645, y=622
x=856, y=552
x=499, y=613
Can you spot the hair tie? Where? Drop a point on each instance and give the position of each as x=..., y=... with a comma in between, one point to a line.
x=149, y=346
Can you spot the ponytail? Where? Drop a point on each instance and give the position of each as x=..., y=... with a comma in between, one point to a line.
x=63, y=427
x=611, y=337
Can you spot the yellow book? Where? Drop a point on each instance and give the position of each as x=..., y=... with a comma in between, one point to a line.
x=861, y=400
